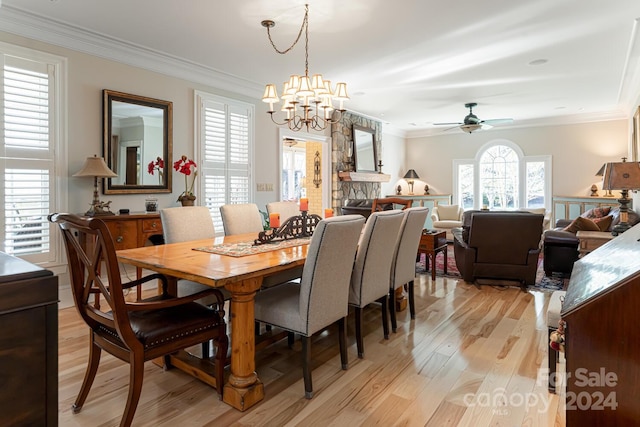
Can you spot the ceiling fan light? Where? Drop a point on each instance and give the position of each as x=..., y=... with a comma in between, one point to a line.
x=470, y=128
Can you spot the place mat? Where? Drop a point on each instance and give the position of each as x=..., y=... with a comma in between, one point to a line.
x=248, y=248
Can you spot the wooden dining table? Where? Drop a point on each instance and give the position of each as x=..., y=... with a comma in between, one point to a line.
x=242, y=276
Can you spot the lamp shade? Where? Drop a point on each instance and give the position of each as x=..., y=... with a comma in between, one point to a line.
x=621, y=176
x=601, y=170
x=96, y=166
x=411, y=174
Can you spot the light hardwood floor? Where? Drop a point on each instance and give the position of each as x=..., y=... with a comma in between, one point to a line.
x=470, y=358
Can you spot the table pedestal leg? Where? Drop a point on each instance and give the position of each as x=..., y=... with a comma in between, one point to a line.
x=244, y=389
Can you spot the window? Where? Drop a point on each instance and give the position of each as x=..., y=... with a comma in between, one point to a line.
x=31, y=128
x=224, y=148
x=502, y=177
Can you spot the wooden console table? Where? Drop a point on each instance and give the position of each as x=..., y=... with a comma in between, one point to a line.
x=132, y=231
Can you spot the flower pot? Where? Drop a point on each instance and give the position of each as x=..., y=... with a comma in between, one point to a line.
x=187, y=200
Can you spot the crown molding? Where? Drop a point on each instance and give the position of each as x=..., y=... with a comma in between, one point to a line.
x=57, y=33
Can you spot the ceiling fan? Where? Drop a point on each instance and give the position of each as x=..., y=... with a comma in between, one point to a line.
x=472, y=123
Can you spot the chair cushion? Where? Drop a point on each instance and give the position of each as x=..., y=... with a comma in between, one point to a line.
x=599, y=212
x=449, y=212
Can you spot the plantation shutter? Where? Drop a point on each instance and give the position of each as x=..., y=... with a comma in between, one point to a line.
x=27, y=157
x=225, y=153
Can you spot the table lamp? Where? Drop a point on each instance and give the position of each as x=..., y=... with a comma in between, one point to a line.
x=601, y=173
x=623, y=176
x=410, y=176
x=96, y=168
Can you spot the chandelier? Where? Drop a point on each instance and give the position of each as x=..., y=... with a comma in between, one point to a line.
x=307, y=101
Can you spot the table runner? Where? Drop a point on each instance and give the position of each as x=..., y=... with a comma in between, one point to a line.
x=247, y=248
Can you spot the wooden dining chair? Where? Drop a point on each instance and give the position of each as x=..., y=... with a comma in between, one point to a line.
x=184, y=224
x=321, y=298
x=372, y=268
x=133, y=332
x=386, y=203
x=403, y=267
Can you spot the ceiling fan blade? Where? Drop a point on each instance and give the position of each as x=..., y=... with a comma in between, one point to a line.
x=448, y=124
x=497, y=121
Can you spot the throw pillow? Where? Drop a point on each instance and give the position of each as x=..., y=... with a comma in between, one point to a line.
x=448, y=212
x=600, y=212
x=604, y=223
x=582, y=224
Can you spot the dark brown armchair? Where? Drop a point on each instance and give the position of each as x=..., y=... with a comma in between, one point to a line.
x=499, y=245
x=134, y=332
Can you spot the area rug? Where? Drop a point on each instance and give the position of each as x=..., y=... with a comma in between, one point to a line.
x=543, y=283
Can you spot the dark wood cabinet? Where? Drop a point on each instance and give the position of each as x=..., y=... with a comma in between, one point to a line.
x=28, y=344
x=602, y=349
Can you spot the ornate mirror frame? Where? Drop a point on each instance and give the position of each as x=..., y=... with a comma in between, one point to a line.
x=136, y=132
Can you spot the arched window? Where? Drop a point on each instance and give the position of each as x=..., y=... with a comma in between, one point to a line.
x=502, y=177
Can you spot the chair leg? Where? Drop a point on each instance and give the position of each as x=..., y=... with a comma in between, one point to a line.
x=342, y=338
x=385, y=316
x=205, y=350
x=553, y=360
x=412, y=305
x=89, y=376
x=136, y=375
x=392, y=309
x=222, y=345
x=291, y=338
x=306, y=367
x=359, y=339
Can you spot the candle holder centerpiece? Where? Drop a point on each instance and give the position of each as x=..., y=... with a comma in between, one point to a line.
x=295, y=227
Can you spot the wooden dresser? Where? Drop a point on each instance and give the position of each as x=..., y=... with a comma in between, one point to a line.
x=602, y=313
x=28, y=344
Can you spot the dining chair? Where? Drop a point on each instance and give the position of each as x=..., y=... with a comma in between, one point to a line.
x=184, y=224
x=133, y=332
x=285, y=209
x=321, y=298
x=403, y=267
x=241, y=218
x=372, y=268
x=386, y=203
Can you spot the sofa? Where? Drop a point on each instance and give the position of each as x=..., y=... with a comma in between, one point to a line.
x=561, y=243
x=498, y=245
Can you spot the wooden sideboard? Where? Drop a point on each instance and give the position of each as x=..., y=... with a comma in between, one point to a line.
x=429, y=201
x=28, y=344
x=132, y=231
x=602, y=337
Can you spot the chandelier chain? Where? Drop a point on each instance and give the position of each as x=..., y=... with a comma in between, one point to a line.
x=304, y=26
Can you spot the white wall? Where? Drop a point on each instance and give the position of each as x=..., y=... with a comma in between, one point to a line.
x=393, y=158
x=577, y=151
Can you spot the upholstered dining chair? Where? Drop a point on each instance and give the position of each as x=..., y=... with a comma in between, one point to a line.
x=133, y=332
x=370, y=276
x=183, y=224
x=241, y=218
x=285, y=209
x=403, y=267
x=321, y=298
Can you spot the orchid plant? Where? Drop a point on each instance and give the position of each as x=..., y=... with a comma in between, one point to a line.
x=186, y=167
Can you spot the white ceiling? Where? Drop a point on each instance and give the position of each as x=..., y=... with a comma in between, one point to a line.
x=409, y=63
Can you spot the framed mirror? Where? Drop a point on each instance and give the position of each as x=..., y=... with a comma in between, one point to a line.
x=137, y=143
x=364, y=149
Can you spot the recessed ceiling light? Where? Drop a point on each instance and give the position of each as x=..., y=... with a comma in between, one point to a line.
x=560, y=108
x=538, y=62
x=360, y=93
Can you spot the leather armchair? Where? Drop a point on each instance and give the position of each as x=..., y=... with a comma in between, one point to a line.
x=499, y=245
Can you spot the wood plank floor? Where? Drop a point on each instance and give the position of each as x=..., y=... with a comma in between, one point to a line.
x=470, y=358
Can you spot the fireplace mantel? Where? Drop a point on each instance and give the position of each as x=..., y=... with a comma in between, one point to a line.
x=364, y=176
